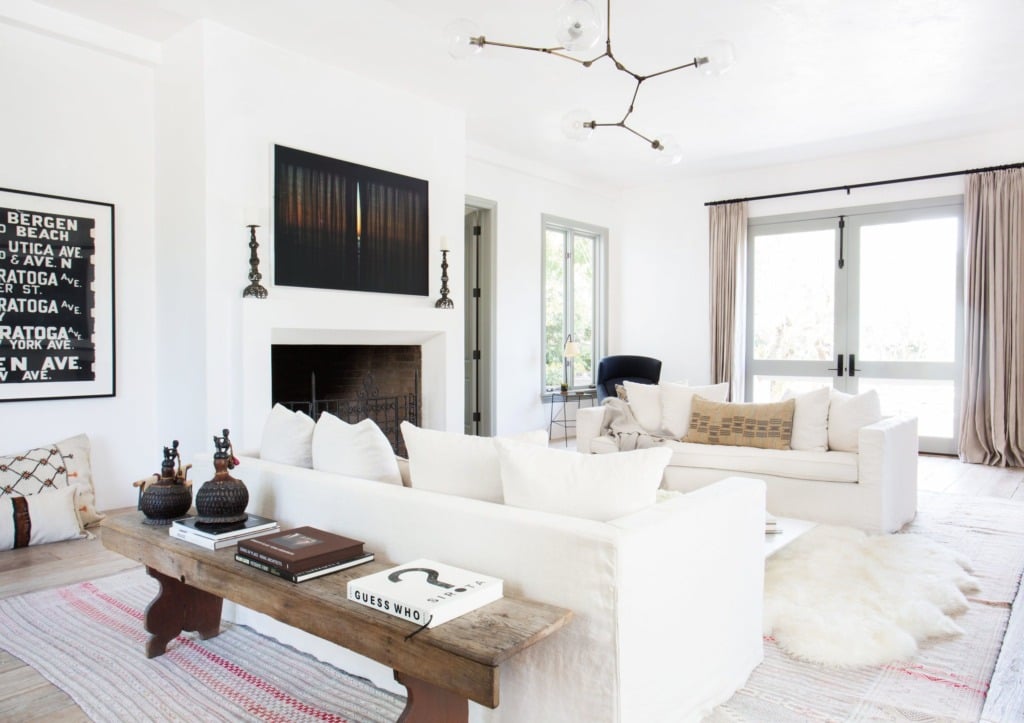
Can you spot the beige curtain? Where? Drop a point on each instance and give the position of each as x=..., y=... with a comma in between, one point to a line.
x=992, y=405
x=727, y=288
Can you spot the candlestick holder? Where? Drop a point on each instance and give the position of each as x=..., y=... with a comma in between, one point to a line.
x=444, y=302
x=254, y=288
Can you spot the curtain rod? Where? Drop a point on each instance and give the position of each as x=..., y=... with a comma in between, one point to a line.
x=847, y=188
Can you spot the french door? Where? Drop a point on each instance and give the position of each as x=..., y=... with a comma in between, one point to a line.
x=866, y=298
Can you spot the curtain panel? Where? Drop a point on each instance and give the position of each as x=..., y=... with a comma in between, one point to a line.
x=992, y=404
x=727, y=241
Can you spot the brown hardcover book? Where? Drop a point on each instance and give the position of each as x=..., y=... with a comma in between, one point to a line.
x=300, y=548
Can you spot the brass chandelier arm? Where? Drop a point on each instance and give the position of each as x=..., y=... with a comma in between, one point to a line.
x=482, y=41
x=696, y=62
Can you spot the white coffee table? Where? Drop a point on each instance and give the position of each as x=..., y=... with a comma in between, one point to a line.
x=791, y=528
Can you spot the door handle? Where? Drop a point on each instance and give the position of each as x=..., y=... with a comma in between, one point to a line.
x=838, y=368
x=853, y=366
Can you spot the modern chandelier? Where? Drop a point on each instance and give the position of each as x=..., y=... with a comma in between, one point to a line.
x=578, y=29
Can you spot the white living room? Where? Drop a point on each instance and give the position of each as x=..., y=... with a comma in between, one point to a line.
x=699, y=326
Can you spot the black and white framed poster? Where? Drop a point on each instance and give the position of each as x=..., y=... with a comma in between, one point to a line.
x=56, y=297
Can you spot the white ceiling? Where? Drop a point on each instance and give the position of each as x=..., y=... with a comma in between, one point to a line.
x=811, y=77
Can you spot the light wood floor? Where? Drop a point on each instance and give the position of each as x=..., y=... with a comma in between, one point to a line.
x=27, y=696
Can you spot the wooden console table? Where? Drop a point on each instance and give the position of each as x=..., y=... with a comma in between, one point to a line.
x=442, y=668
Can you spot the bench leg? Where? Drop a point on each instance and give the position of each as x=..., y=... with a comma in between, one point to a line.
x=178, y=607
x=427, y=703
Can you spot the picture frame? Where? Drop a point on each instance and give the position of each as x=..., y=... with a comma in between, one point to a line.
x=57, y=328
x=340, y=225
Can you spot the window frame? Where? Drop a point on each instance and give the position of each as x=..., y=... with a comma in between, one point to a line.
x=600, y=296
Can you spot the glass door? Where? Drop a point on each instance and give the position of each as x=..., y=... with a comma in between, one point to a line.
x=863, y=299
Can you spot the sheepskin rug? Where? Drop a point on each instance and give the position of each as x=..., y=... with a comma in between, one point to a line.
x=843, y=598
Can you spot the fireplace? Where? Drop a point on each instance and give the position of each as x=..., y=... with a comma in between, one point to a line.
x=352, y=382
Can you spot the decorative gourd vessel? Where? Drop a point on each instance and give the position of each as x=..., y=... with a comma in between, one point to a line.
x=170, y=495
x=223, y=499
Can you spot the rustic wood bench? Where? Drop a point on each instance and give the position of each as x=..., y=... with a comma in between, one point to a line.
x=442, y=668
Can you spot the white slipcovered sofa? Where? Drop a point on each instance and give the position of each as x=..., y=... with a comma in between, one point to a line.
x=871, y=484
x=667, y=601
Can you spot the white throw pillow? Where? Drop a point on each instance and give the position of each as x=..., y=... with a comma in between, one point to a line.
x=598, y=487
x=43, y=469
x=810, y=419
x=847, y=414
x=356, y=450
x=675, y=405
x=288, y=437
x=459, y=464
x=645, y=403
x=52, y=517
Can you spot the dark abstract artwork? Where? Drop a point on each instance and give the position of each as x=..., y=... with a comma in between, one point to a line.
x=340, y=225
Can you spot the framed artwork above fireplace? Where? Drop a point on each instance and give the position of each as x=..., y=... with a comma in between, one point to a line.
x=340, y=225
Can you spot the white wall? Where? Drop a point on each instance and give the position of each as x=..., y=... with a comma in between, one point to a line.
x=522, y=197
x=78, y=122
x=255, y=95
x=663, y=295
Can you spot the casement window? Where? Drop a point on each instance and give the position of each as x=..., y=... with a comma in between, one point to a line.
x=574, y=304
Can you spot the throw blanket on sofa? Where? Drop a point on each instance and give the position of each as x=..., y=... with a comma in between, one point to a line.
x=620, y=424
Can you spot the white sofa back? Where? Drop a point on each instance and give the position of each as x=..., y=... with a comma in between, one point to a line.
x=667, y=601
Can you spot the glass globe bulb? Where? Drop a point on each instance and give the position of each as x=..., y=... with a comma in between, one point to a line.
x=575, y=124
x=459, y=35
x=577, y=25
x=669, y=151
x=716, y=57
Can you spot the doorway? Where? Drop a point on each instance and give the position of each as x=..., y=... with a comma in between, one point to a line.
x=479, y=303
x=861, y=299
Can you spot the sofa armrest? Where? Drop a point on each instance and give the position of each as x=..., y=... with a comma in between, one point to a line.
x=589, y=421
x=887, y=460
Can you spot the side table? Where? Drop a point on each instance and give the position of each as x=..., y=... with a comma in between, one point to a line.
x=559, y=412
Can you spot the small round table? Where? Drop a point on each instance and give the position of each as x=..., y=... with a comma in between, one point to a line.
x=559, y=416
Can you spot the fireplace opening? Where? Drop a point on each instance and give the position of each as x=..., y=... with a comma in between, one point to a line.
x=352, y=382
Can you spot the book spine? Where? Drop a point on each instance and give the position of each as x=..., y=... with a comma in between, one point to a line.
x=244, y=559
x=257, y=554
x=388, y=605
x=199, y=541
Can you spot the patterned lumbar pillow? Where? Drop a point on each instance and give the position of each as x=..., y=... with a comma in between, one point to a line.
x=49, y=468
x=39, y=519
x=768, y=426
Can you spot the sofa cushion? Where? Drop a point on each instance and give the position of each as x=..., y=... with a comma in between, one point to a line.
x=767, y=426
x=645, y=404
x=847, y=413
x=810, y=419
x=356, y=450
x=458, y=464
x=676, y=400
x=594, y=487
x=45, y=469
x=288, y=437
x=825, y=466
x=39, y=519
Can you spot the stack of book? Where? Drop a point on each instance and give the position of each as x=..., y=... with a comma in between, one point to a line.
x=302, y=553
x=771, y=525
x=425, y=592
x=215, y=537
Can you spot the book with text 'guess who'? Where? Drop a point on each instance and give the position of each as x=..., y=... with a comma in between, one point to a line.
x=300, y=549
x=425, y=592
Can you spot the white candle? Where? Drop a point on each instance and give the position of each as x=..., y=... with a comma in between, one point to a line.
x=445, y=246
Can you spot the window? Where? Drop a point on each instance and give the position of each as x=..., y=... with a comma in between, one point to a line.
x=862, y=298
x=574, y=287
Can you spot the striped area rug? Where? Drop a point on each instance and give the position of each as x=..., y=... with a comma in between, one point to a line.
x=949, y=679
x=88, y=639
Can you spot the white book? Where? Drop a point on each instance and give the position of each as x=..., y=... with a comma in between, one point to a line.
x=425, y=592
x=186, y=535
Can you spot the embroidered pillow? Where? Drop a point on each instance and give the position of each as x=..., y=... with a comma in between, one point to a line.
x=39, y=519
x=767, y=426
x=52, y=467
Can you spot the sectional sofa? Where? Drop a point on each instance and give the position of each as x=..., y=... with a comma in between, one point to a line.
x=863, y=476
x=667, y=600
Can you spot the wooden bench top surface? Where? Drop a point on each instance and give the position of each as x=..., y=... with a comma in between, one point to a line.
x=462, y=655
